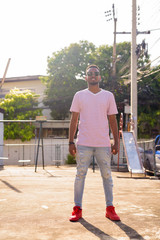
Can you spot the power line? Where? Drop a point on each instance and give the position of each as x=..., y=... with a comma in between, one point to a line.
x=150, y=17
x=149, y=63
x=149, y=74
x=155, y=43
x=138, y=70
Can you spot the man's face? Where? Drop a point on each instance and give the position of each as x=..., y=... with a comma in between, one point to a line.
x=93, y=76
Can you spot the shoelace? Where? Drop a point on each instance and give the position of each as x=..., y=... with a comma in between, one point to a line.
x=76, y=210
x=112, y=210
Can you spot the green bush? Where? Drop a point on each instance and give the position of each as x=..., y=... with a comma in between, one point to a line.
x=20, y=105
x=70, y=159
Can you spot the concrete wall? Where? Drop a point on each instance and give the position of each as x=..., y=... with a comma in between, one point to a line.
x=54, y=150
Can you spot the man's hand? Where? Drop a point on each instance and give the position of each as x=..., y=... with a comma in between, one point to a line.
x=114, y=129
x=114, y=149
x=72, y=130
x=72, y=149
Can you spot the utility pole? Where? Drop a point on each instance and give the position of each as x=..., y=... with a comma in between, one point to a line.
x=134, y=71
x=114, y=46
x=109, y=15
x=4, y=76
x=134, y=55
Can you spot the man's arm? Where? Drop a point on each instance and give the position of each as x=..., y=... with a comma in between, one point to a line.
x=114, y=128
x=72, y=131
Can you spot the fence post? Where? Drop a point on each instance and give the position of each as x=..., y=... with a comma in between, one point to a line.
x=1, y=136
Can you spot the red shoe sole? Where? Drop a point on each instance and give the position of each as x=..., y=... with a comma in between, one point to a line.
x=74, y=220
x=118, y=219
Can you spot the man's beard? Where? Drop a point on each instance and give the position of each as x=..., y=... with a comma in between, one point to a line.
x=93, y=83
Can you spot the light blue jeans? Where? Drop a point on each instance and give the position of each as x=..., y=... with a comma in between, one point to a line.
x=84, y=158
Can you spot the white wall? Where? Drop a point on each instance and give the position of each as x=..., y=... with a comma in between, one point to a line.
x=16, y=150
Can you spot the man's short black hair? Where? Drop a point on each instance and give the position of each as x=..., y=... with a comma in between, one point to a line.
x=92, y=66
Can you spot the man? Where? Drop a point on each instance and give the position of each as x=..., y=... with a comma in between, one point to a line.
x=95, y=107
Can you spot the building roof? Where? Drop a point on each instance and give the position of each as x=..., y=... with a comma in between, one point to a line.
x=23, y=78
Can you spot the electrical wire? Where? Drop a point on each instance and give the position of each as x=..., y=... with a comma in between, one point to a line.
x=148, y=63
x=153, y=17
x=149, y=74
x=151, y=20
x=149, y=84
x=155, y=43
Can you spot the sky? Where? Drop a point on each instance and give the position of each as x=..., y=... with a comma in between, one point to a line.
x=31, y=30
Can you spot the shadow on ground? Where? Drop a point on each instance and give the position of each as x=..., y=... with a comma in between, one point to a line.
x=130, y=232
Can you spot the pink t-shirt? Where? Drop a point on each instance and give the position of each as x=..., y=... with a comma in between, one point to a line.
x=93, y=129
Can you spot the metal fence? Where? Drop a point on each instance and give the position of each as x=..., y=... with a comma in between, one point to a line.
x=55, y=153
x=147, y=154
x=146, y=145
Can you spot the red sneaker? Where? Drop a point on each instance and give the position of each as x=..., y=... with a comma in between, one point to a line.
x=76, y=214
x=111, y=214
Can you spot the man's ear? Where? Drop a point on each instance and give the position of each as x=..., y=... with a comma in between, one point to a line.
x=86, y=77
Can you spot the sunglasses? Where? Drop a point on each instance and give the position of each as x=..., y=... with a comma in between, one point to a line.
x=93, y=73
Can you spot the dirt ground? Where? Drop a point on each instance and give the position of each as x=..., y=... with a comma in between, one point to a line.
x=37, y=205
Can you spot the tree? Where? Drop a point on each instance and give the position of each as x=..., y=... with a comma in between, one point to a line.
x=103, y=56
x=20, y=105
x=66, y=69
x=66, y=72
x=149, y=102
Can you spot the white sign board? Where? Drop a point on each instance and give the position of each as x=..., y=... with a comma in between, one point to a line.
x=127, y=109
